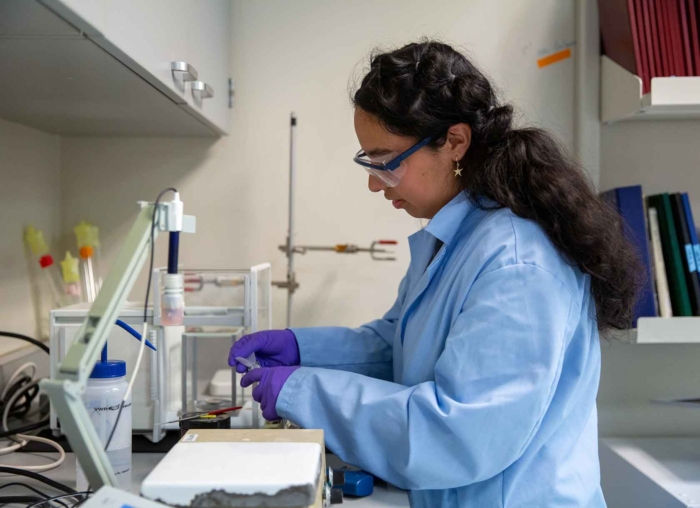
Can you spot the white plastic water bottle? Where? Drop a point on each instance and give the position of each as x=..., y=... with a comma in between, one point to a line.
x=103, y=396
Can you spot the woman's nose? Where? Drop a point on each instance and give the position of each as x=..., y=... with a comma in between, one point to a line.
x=375, y=184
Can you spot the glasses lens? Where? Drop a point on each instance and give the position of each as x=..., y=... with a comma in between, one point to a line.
x=388, y=178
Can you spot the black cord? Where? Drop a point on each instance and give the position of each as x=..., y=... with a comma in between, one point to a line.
x=20, y=499
x=114, y=429
x=24, y=430
x=148, y=292
x=29, y=487
x=22, y=405
x=19, y=336
x=63, y=496
x=39, y=477
x=11, y=390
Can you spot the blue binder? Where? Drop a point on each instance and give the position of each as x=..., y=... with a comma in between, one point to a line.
x=629, y=201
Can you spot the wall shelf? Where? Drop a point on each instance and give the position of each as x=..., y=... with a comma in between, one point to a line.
x=651, y=472
x=677, y=330
x=674, y=98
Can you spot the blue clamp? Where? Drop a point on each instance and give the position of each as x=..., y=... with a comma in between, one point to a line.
x=357, y=483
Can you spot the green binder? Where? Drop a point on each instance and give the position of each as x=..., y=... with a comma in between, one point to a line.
x=680, y=299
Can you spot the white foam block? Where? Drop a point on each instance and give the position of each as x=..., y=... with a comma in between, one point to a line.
x=193, y=468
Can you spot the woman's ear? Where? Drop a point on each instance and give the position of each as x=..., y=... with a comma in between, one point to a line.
x=459, y=137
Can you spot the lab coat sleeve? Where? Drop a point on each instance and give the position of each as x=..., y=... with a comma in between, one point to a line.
x=493, y=384
x=365, y=350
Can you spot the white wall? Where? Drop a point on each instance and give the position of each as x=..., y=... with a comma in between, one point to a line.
x=298, y=56
x=29, y=194
x=663, y=156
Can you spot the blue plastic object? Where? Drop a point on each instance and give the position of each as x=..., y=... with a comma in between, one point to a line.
x=133, y=332
x=105, y=369
x=109, y=369
x=358, y=484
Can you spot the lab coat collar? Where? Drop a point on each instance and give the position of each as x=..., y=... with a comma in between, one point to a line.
x=446, y=222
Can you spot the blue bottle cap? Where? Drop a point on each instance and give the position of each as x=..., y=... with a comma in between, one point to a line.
x=109, y=369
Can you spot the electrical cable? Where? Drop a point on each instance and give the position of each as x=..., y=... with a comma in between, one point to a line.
x=16, y=381
x=19, y=499
x=40, y=502
x=38, y=477
x=25, y=438
x=21, y=406
x=16, y=374
x=5, y=404
x=29, y=487
x=142, y=347
x=25, y=428
x=16, y=385
x=19, y=336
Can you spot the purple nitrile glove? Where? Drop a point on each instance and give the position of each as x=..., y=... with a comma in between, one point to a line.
x=272, y=348
x=271, y=381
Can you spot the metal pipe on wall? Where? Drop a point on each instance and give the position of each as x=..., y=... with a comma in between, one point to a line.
x=290, y=234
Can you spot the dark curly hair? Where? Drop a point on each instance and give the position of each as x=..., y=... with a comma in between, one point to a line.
x=422, y=89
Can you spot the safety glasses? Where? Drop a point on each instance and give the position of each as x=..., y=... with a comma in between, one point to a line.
x=388, y=168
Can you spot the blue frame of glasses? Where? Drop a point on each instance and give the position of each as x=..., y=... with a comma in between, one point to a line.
x=393, y=163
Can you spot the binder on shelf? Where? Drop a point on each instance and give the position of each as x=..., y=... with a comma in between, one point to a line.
x=662, y=293
x=669, y=55
x=652, y=52
x=620, y=33
x=694, y=35
x=661, y=38
x=655, y=40
x=691, y=227
x=642, y=41
x=678, y=287
x=676, y=37
x=629, y=202
x=686, y=246
x=685, y=30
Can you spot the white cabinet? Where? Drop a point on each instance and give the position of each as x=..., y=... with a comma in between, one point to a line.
x=210, y=54
x=147, y=36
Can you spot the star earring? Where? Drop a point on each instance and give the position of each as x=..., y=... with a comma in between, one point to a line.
x=458, y=169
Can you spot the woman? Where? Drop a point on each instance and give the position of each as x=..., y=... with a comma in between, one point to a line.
x=478, y=387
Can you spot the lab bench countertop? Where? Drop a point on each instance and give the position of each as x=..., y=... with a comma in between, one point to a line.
x=384, y=496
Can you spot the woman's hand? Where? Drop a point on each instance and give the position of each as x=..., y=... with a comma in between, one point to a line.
x=272, y=348
x=270, y=385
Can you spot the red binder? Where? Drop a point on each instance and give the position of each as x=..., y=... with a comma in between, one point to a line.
x=676, y=37
x=641, y=37
x=670, y=54
x=650, y=42
x=694, y=36
x=661, y=33
x=620, y=33
x=685, y=29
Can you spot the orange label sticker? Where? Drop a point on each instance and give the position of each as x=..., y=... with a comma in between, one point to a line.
x=554, y=58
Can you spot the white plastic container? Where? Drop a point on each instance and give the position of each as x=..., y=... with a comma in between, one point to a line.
x=102, y=397
x=173, y=301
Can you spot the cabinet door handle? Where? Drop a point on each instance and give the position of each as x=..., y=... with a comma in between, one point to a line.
x=189, y=73
x=202, y=89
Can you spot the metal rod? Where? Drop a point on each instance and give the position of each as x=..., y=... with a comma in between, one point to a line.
x=234, y=395
x=290, y=235
x=185, y=370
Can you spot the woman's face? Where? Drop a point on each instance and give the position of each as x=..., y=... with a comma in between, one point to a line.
x=429, y=181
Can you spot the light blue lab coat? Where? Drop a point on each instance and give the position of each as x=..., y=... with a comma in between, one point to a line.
x=477, y=389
